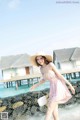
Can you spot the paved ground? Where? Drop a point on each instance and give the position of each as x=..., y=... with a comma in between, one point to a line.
x=71, y=112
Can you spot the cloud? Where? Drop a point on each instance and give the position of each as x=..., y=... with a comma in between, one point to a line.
x=13, y=4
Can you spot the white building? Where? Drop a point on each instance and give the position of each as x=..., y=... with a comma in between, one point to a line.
x=17, y=65
x=68, y=61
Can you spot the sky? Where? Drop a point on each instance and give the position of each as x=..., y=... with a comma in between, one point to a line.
x=30, y=26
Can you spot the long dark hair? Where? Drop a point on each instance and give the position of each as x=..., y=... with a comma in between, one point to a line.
x=45, y=61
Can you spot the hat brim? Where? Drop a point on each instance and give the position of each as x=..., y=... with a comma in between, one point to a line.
x=48, y=57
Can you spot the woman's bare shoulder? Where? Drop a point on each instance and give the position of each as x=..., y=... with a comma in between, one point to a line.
x=51, y=64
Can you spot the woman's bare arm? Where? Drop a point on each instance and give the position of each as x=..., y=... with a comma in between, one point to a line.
x=37, y=84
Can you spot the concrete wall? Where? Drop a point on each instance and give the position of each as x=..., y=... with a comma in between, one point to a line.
x=77, y=63
x=67, y=65
x=9, y=73
x=36, y=70
x=21, y=72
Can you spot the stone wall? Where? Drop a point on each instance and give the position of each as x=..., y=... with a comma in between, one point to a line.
x=26, y=104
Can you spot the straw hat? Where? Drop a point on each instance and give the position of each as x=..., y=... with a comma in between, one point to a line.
x=48, y=57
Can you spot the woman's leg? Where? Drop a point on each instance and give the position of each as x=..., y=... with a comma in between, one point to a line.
x=55, y=113
x=50, y=110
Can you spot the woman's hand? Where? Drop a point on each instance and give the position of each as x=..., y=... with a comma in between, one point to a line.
x=37, y=84
x=33, y=87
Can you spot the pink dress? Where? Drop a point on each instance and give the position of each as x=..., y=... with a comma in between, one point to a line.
x=58, y=89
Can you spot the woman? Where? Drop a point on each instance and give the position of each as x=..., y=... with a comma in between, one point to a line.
x=59, y=92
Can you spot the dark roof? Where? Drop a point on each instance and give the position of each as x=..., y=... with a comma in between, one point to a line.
x=76, y=55
x=67, y=54
x=14, y=61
